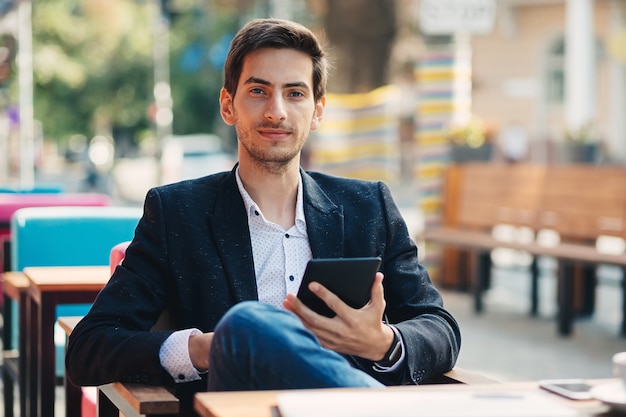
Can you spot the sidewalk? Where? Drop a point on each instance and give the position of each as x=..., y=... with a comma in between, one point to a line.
x=506, y=343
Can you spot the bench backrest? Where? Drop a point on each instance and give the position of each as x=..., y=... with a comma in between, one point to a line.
x=579, y=202
x=490, y=194
x=583, y=202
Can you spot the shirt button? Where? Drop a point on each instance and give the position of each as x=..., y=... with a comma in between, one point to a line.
x=287, y=235
x=181, y=377
x=256, y=212
x=291, y=278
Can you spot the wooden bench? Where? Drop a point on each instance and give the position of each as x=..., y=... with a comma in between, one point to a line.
x=580, y=203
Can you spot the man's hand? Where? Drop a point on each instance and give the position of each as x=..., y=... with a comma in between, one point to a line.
x=355, y=332
x=199, y=349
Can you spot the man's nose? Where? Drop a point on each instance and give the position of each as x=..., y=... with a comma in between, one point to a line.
x=276, y=110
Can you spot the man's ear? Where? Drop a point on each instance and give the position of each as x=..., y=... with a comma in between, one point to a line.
x=319, y=113
x=226, y=107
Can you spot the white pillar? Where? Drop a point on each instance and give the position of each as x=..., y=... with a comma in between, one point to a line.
x=580, y=62
x=616, y=134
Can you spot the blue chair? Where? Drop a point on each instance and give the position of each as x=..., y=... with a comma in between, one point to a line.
x=68, y=236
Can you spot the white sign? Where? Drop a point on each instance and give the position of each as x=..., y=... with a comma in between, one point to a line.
x=447, y=17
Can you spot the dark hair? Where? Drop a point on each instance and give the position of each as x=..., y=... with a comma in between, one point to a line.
x=275, y=33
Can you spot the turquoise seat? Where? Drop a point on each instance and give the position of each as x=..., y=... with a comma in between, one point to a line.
x=68, y=236
x=36, y=189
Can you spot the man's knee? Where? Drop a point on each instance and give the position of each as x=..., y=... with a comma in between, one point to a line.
x=253, y=317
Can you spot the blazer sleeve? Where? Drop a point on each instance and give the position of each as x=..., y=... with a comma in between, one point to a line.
x=113, y=342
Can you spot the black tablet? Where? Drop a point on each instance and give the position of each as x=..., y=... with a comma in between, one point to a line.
x=349, y=278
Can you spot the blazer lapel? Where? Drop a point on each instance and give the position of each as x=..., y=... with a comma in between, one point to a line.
x=229, y=224
x=324, y=220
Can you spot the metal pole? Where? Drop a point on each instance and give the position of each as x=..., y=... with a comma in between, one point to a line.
x=162, y=90
x=25, y=82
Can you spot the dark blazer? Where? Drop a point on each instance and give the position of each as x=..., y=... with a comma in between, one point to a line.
x=192, y=255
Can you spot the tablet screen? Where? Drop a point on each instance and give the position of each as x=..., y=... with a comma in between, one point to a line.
x=349, y=278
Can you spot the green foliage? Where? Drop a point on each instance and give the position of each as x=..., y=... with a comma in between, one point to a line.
x=92, y=66
x=199, y=39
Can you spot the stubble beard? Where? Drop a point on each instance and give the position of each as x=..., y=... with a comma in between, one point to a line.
x=273, y=160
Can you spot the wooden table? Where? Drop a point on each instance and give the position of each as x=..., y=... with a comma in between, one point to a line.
x=263, y=403
x=48, y=288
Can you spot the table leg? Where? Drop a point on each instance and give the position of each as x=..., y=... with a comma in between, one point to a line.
x=22, y=343
x=31, y=365
x=46, y=354
x=7, y=335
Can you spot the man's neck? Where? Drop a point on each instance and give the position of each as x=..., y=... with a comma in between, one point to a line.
x=274, y=193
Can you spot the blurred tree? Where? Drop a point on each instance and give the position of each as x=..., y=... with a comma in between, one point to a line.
x=8, y=49
x=93, y=59
x=92, y=65
x=362, y=33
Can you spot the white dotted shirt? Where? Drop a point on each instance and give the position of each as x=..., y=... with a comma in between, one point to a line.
x=280, y=257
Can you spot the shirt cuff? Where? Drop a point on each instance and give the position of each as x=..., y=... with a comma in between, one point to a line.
x=379, y=368
x=174, y=356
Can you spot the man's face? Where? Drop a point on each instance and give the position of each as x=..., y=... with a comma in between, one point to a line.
x=273, y=110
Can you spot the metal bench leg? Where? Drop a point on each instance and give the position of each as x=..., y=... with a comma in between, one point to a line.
x=534, y=287
x=481, y=279
x=565, y=295
x=589, y=290
x=623, y=329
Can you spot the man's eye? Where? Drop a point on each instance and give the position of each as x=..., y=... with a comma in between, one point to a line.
x=256, y=91
x=296, y=94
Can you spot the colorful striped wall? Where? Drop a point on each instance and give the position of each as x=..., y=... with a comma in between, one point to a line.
x=443, y=77
x=358, y=136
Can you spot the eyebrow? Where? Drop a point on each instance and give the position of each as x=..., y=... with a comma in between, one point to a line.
x=255, y=80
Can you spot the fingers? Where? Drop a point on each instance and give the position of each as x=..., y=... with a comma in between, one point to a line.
x=295, y=305
x=377, y=298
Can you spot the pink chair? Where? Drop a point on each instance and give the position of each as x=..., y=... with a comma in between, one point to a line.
x=117, y=255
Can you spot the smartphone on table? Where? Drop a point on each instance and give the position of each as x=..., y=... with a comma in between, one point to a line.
x=350, y=279
x=574, y=389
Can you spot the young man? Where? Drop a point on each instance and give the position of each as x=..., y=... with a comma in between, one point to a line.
x=225, y=254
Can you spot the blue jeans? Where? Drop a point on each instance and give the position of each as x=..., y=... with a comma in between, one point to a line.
x=259, y=347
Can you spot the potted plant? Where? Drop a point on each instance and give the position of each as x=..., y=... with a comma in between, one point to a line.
x=582, y=145
x=470, y=142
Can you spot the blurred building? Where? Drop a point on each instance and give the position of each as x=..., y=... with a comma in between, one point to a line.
x=557, y=71
x=535, y=80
